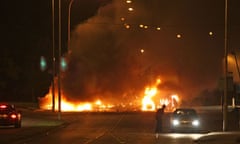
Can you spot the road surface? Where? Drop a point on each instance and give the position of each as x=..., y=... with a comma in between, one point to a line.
x=109, y=128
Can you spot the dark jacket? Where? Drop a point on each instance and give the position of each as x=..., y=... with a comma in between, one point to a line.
x=159, y=114
x=159, y=119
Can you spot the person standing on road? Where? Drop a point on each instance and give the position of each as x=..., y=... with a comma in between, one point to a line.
x=159, y=119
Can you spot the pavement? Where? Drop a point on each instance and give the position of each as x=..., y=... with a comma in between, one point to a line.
x=230, y=137
x=221, y=137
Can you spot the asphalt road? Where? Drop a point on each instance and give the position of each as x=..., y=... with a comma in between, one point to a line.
x=101, y=128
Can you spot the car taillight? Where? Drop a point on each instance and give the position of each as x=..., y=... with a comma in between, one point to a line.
x=3, y=106
x=13, y=116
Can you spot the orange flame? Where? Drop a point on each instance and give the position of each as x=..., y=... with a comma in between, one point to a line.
x=98, y=105
x=148, y=103
x=46, y=103
x=151, y=100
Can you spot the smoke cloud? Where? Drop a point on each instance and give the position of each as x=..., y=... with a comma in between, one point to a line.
x=106, y=61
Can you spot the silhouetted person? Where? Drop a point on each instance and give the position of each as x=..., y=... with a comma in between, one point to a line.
x=159, y=119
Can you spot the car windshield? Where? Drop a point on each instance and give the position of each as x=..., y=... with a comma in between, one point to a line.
x=185, y=112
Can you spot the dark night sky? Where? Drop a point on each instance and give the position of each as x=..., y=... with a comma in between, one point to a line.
x=103, y=55
x=26, y=34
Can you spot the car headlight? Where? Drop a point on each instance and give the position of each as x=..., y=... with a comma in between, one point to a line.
x=175, y=122
x=195, y=122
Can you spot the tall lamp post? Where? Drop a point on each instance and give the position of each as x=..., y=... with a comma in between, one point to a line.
x=69, y=23
x=225, y=107
x=59, y=51
x=59, y=58
x=53, y=55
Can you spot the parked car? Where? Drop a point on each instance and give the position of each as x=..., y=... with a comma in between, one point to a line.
x=10, y=116
x=185, y=120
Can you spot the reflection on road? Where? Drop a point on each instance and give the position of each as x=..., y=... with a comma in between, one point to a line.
x=183, y=135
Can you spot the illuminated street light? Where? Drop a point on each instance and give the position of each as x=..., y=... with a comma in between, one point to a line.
x=128, y=1
x=122, y=19
x=141, y=25
x=127, y=26
x=210, y=33
x=130, y=9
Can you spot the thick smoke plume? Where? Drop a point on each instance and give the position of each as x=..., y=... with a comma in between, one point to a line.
x=106, y=60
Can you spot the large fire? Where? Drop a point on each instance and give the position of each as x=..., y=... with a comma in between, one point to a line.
x=153, y=99
x=150, y=101
x=46, y=103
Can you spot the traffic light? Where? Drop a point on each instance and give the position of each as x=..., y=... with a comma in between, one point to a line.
x=63, y=64
x=43, y=63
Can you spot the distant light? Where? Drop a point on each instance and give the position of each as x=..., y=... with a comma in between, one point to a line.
x=195, y=123
x=210, y=33
x=141, y=25
x=175, y=122
x=3, y=106
x=127, y=26
x=179, y=36
x=122, y=19
x=63, y=64
x=142, y=50
x=43, y=63
x=13, y=116
x=145, y=26
x=158, y=28
x=130, y=9
x=128, y=1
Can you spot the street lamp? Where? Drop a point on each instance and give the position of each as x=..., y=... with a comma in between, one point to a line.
x=225, y=107
x=53, y=55
x=59, y=57
x=69, y=23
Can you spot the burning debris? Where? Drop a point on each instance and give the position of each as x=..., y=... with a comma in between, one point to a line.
x=154, y=99
x=151, y=99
